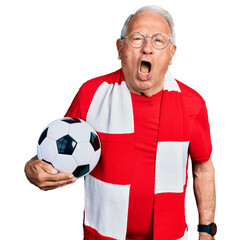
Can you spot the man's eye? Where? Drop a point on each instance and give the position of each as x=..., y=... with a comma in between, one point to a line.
x=137, y=39
x=159, y=40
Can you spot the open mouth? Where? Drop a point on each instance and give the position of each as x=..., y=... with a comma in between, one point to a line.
x=145, y=67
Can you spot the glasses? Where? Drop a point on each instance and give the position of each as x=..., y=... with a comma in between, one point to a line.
x=159, y=40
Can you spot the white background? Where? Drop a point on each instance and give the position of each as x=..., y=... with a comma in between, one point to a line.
x=49, y=48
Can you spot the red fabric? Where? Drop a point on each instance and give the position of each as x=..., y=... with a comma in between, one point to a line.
x=115, y=165
x=188, y=121
x=176, y=125
x=200, y=147
x=140, y=216
x=171, y=206
x=92, y=234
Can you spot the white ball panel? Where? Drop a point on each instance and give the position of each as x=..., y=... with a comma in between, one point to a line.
x=39, y=152
x=95, y=159
x=90, y=128
x=58, y=129
x=79, y=132
x=83, y=153
x=48, y=150
x=64, y=163
x=52, y=123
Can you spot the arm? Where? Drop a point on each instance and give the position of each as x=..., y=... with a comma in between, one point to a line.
x=204, y=190
x=44, y=176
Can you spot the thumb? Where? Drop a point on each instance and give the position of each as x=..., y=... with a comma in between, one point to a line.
x=48, y=167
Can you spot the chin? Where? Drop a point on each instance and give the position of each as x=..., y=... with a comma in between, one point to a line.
x=143, y=88
x=144, y=84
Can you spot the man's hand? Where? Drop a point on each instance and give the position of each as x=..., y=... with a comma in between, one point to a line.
x=44, y=176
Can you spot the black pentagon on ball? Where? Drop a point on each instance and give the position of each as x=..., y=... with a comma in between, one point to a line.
x=94, y=141
x=81, y=170
x=43, y=136
x=71, y=120
x=66, y=145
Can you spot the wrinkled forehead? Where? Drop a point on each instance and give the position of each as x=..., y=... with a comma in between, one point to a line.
x=148, y=23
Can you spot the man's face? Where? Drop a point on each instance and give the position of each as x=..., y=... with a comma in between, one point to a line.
x=139, y=76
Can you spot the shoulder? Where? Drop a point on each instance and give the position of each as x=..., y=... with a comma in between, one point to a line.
x=192, y=100
x=90, y=87
x=110, y=78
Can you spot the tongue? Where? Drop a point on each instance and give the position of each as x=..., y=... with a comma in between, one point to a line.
x=145, y=67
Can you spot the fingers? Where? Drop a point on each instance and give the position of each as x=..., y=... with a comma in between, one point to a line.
x=50, y=181
x=48, y=168
x=36, y=163
x=45, y=177
x=59, y=180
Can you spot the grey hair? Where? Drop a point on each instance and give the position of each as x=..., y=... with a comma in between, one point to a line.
x=155, y=9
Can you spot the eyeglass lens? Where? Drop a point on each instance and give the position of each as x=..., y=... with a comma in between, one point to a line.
x=159, y=40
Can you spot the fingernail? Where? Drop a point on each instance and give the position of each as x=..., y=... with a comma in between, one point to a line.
x=54, y=171
x=70, y=176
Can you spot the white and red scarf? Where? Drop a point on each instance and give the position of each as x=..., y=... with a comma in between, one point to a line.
x=106, y=104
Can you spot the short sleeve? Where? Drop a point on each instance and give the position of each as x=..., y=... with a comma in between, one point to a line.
x=75, y=108
x=200, y=147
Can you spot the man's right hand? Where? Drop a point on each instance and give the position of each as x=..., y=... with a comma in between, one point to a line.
x=45, y=176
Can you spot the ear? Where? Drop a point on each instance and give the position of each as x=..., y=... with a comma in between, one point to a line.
x=172, y=52
x=119, y=45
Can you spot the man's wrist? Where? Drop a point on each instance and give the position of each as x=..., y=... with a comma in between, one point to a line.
x=210, y=229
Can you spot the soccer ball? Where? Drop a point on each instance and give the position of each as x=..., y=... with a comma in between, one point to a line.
x=70, y=145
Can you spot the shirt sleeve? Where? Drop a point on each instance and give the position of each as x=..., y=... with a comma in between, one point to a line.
x=200, y=147
x=74, y=110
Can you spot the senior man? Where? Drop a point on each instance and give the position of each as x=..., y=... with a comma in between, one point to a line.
x=148, y=123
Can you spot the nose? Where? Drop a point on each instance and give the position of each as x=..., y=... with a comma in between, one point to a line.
x=147, y=47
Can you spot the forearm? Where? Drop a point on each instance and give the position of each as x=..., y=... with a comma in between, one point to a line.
x=204, y=189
